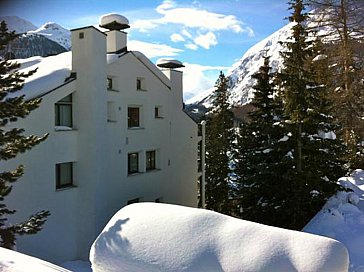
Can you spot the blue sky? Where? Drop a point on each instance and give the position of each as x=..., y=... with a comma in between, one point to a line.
x=208, y=36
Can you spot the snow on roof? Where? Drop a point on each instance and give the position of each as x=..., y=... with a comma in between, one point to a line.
x=11, y=261
x=169, y=63
x=52, y=73
x=163, y=237
x=114, y=21
x=342, y=218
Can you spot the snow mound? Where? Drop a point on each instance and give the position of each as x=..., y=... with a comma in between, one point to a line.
x=342, y=218
x=163, y=237
x=11, y=261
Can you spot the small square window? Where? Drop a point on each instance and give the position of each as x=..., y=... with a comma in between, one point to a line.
x=150, y=160
x=140, y=84
x=158, y=112
x=81, y=35
x=133, y=163
x=64, y=175
x=109, y=83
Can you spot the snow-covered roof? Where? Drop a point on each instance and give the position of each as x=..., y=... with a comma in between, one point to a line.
x=163, y=237
x=55, y=71
x=52, y=73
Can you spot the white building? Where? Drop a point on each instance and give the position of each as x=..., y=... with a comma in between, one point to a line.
x=117, y=135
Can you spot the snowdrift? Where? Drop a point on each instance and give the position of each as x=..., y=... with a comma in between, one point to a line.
x=342, y=218
x=163, y=237
x=11, y=261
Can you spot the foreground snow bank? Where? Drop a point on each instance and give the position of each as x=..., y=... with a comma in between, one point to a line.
x=342, y=218
x=11, y=261
x=163, y=237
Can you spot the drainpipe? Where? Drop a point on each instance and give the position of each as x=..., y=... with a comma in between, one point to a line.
x=203, y=154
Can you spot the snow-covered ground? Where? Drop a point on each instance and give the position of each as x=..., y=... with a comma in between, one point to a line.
x=163, y=237
x=342, y=218
x=11, y=261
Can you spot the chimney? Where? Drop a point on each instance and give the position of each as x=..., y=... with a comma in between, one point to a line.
x=116, y=38
x=176, y=77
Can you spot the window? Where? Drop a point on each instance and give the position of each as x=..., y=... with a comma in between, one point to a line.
x=109, y=83
x=81, y=35
x=133, y=117
x=150, y=160
x=140, y=84
x=111, y=111
x=63, y=112
x=133, y=163
x=158, y=112
x=64, y=175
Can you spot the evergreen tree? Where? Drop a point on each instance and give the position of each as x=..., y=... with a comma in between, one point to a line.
x=317, y=157
x=261, y=160
x=219, y=139
x=13, y=142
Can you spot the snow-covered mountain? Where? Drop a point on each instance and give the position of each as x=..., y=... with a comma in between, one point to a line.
x=56, y=33
x=240, y=80
x=240, y=76
x=49, y=39
x=29, y=45
x=19, y=25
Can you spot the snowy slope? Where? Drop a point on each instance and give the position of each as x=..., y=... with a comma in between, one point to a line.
x=56, y=33
x=240, y=80
x=342, y=218
x=19, y=25
x=162, y=237
x=240, y=75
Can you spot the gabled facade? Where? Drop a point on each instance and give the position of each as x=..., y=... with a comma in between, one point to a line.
x=117, y=135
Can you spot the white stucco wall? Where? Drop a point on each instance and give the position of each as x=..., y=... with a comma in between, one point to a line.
x=99, y=150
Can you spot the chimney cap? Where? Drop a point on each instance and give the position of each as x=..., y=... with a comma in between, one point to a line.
x=169, y=63
x=114, y=21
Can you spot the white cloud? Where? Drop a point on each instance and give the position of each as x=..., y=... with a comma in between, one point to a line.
x=186, y=33
x=191, y=46
x=167, y=4
x=250, y=31
x=191, y=18
x=206, y=40
x=175, y=37
x=152, y=50
x=196, y=80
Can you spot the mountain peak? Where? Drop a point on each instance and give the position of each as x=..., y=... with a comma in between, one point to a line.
x=55, y=32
